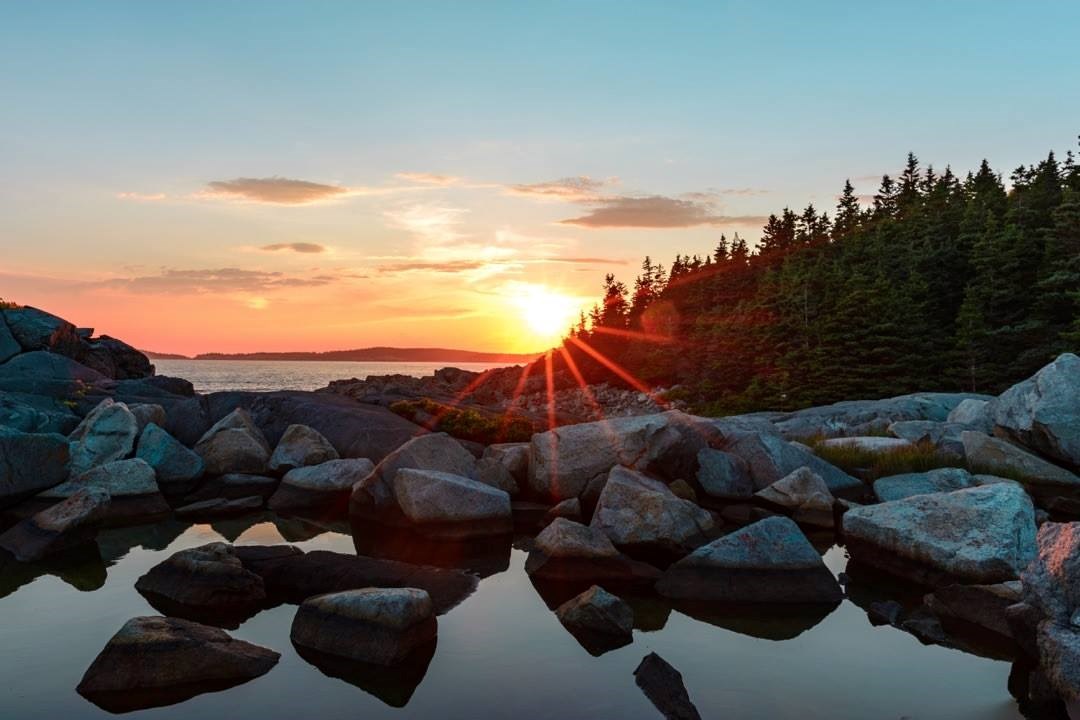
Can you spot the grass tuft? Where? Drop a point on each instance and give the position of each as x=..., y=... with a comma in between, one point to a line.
x=870, y=465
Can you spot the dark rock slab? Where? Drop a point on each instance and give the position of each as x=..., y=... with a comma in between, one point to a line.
x=31, y=462
x=177, y=468
x=664, y=687
x=67, y=524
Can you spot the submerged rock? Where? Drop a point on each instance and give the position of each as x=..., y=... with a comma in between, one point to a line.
x=597, y=611
x=204, y=583
x=301, y=446
x=176, y=467
x=978, y=535
x=234, y=444
x=1043, y=412
x=32, y=462
x=382, y=626
x=770, y=561
x=664, y=687
x=107, y=434
x=320, y=489
x=69, y=523
x=451, y=506
x=154, y=661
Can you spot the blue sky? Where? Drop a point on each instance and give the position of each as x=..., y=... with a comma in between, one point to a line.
x=118, y=116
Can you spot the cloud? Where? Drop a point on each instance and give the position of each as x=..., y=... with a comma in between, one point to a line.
x=140, y=197
x=425, y=178
x=572, y=189
x=433, y=224
x=221, y=280
x=300, y=247
x=273, y=191
x=579, y=261
x=445, y=266
x=655, y=211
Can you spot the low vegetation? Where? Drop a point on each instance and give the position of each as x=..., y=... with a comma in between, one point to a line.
x=871, y=465
x=464, y=423
x=7, y=305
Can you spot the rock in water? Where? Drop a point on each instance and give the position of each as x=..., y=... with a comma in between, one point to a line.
x=981, y=605
x=991, y=454
x=1052, y=580
x=176, y=467
x=234, y=445
x=1043, y=412
x=638, y=512
x=32, y=462
x=154, y=661
x=381, y=626
x=131, y=485
x=204, y=583
x=770, y=561
x=567, y=551
x=977, y=535
x=664, y=687
x=301, y=446
x=724, y=476
x=443, y=505
x=597, y=611
x=804, y=495
x=320, y=489
x=65, y=525
x=771, y=458
x=107, y=434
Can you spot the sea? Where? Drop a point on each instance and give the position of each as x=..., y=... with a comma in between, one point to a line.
x=263, y=375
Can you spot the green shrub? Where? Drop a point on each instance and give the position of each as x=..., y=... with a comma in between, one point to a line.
x=465, y=423
x=7, y=305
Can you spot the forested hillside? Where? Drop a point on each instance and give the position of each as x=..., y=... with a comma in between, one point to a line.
x=942, y=282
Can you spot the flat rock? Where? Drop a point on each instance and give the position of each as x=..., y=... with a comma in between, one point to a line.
x=233, y=486
x=771, y=458
x=862, y=417
x=177, y=468
x=770, y=561
x=996, y=456
x=664, y=687
x=977, y=535
x=447, y=505
x=724, y=476
x=301, y=446
x=382, y=626
x=67, y=524
x=155, y=661
x=897, y=487
x=320, y=489
x=107, y=434
x=203, y=583
x=1043, y=412
x=130, y=484
x=220, y=508
x=234, y=444
x=32, y=462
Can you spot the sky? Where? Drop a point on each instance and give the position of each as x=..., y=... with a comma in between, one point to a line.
x=241, y=176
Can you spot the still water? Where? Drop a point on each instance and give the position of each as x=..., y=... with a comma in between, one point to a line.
x=501, y=653
x=265, y=375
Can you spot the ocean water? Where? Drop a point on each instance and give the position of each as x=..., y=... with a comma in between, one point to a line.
x=261, y=375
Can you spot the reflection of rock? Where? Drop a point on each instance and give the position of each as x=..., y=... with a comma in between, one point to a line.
x=80, y=567
x=115, y=543
x=394, y=684
x=664, y=687
x=484, y=556
x=155, y=661
x=69, y=523
x=772, y=621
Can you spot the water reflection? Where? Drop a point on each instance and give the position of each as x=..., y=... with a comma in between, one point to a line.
x=392, y=684
x=81, y=567
x=483, y=557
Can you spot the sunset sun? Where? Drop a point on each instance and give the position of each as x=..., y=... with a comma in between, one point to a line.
x=546, y=313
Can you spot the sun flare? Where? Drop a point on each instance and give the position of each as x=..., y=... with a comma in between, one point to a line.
x=547, y=314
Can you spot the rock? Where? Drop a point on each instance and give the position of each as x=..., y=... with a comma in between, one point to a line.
x=373, y=498
x=869, y=444
x=381, y=626
x=863, y=417
x=1052, y=579
x=566, y=459
x=724, y=476
x=301, y=446
x=48, y=374
x=638, y=512
x=770, y=561
x=36, y=329
x=973, y=413
x=945, y=437
x=65, y=525
x=9, y=346
x=207, y=583
x=886, y=612
x=977, y=535
x=494, y=473
x=569, y=509
x=32, y=462
x=897, y=487
x=681, y=489
x=994, y=456
x=664, y=687
x=981, y=605
x=35, y=414
x=440, y=504
x=567, y=551
x=146, y=413
x=771, y=458
x=155, y=661
x=220, y=508
x=1059, y=657
x=114, y=358
x=234, y=444
x=802, y=494
x=1043, y=412
x=107, y=434
x=320, y=489
x=131, y=485
x=177, y=468
x=926, y=627
x=234, y=486
x=597, y=612
x=513, y=456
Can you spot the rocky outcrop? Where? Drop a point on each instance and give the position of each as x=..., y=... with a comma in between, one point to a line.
x=381, y=626
x=146, y=413
x=992, y=455
x=131, y=485
x=9, y=346
x=770, y=561
x=234, y=444
x=723, y=476
x=177, y=468
x=640, y=513
x=322, y=490
x=35, y=414
x=47, y=374
x=664, y=687
x=569, y=552
x=445, y=505
x=803, y=495
x=299, y=447
x=31, y=462
x=771, y=458
x=65, y=525
x=897, y=487
x=155, y=661
x=976, y=535
x=106, y=434
x=1043, y=412
x=597, y=612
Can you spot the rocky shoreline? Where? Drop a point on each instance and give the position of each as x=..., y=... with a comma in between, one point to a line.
x=723, y=518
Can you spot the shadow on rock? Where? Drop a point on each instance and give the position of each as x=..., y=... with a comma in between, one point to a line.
x=393, y=684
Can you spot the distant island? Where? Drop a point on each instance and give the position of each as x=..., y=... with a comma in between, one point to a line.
x=373, y=354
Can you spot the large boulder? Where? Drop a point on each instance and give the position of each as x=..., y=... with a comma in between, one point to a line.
x=802, y=494
x=989, y=454
x=322, y=490
x=207, y=583
x=569, y=552
x=234, y=444
x=146, y=413
x=301, y=446
x=565, y=460
x=445, y=505
x=973, y=413
x=65, y=525
x=380, y=626
x=771, y=458
x=9, y=346
x=113, y=358
x=1043, y=412
x=1052, y=579
x=897, y=487
x=944, y=436
x=35, y=329
x=724, y=476
x=106, y=434
x=977, y=535
x=866, y=417
x=32, y=462
x=48, y=374
x=135, y=495
x=156, y=661
x=35, y=414
x=177, y=468
x=597, y=611
x=770, y=561
x=640, y=513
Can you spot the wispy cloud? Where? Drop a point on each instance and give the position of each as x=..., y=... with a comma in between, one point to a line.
x=445, y=266
x=141, y=197
x=273, y=191
x=299, y=247
x=426, y=178
x=220, y=280
x=656, y=211
x=572, y=189
x=433, y=224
